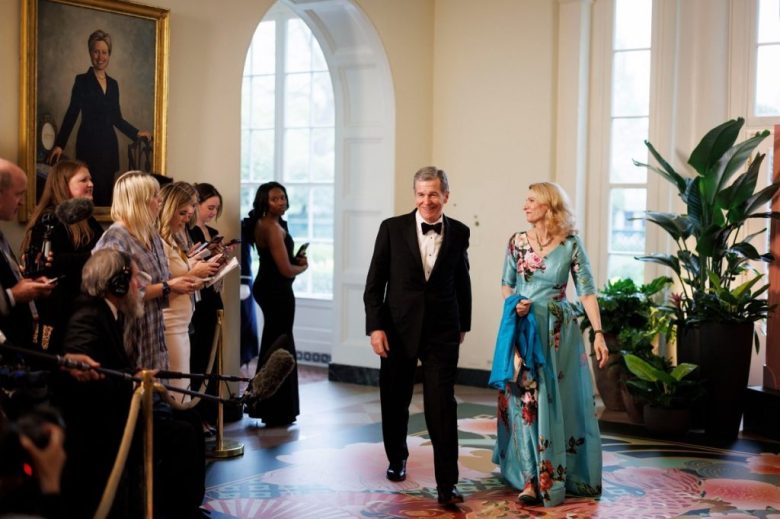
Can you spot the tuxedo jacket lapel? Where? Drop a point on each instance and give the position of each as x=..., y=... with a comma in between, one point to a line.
x=410, y=234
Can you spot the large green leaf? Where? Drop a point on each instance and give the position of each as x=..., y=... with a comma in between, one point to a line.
x=747, y=250
x=714, y=144
x=755, y=202
x=662, y=259
x=747, y=285
x=681, y=371
x=667, y=170
x=732, y=160
x=644, y=370
x=676, y=225
x=695, y=209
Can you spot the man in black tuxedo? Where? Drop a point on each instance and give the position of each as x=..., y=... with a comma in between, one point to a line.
x=17, y=306
x=418, y=306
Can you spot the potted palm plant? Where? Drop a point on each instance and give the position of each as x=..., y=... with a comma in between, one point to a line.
x=721, y=293
x=630, y=321
x=667, y=391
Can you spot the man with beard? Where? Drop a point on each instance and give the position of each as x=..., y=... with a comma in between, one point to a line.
x=96, y=409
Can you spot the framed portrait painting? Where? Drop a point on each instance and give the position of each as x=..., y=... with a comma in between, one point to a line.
x=93, y=89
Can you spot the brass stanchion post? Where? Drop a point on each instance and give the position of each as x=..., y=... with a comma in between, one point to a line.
x=220, y=447
x=148, y=385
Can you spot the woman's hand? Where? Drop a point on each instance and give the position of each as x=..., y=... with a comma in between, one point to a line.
x=205, y=269
x=54, y=155
x=523, y=307
x=302, y=261
x=601, y=350
x=184, y=284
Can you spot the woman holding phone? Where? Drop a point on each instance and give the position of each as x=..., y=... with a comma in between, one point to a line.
x=273, y=292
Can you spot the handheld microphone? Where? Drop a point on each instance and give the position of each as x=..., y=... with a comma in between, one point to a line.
x=74, y=210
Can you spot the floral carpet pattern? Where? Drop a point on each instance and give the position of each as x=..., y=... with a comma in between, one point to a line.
x=642, y=478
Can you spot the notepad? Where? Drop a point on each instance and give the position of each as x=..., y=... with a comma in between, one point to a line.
x=230, y=265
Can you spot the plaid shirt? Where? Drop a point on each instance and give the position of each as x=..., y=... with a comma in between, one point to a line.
x=147, y=348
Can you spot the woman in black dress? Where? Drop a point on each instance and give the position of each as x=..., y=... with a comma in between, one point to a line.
x=71, y=244
x=95, y=96
x=273, y=292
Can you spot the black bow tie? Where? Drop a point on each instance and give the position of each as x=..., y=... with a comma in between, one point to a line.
x=436, y=227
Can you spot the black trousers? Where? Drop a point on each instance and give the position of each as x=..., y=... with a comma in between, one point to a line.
x=396, y=386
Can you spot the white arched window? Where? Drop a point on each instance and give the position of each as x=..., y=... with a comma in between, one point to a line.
x=287, y=135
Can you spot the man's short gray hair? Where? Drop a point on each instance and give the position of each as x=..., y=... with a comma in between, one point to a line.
x=432, y=173
x=103, y=265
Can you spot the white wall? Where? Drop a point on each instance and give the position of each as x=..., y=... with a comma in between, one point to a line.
x=493, y=127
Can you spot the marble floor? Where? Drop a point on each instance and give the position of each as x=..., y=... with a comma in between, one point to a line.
x=331, y=463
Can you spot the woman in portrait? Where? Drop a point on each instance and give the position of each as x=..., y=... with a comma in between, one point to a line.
x=273, y=292
x=179, y=201
x=135, y=209
x=548, y=441
x=95, y=96
x=70, y=240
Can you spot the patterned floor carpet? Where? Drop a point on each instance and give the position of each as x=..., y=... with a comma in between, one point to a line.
x=339, y=473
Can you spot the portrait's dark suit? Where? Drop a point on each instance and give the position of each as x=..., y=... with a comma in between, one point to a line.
x=422, y=319
x=96, y=142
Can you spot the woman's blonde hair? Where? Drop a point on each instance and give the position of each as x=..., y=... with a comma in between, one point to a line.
x=559, y=218
x=56, y=191
x=175, y=196
x=132, y=193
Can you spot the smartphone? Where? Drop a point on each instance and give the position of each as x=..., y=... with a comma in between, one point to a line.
x=234, y=241
x=214, y=240
x=302, y=250
x=53, y=281
x=199, y=249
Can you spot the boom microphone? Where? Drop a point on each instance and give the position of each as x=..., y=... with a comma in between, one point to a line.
x=272, y=375
x=74, y=210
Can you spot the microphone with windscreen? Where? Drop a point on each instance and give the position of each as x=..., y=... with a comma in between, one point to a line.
x=37, y=251
x=74, y=210
x=270, y=377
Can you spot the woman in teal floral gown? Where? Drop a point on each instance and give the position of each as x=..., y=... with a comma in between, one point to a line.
x=548, y=435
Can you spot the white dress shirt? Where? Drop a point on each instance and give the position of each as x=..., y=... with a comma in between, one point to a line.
x=429, y=243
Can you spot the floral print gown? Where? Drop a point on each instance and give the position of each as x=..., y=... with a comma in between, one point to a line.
x=548, y=433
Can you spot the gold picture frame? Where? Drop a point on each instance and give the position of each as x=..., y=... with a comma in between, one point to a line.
x=54, y=51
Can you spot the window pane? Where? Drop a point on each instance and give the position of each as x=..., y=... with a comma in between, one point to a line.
x=246, y=152
x=263, y=91
x=298, y=46
x=625, y=267
x=769, y=21
x=323, y=157
x=627, y=144
x=633, y=19
x=321, y=267
x=322, y=209
x=296, y=155
x=631, y=83
x=262, y=153
x=263, y=48
x=322, y=100
x=246, y=102
x=247, y=197
x=625, y=234
x=296, y=100
x=317, y=59
x=768, y=80
x=298, y=214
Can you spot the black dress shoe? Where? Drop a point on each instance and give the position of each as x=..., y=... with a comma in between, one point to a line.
x=449, y=496
x=397, y=471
